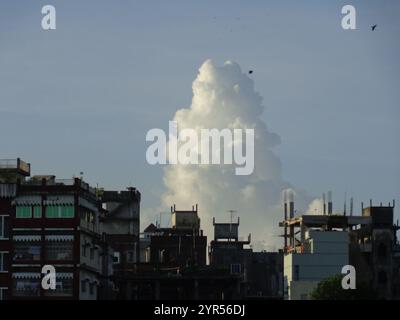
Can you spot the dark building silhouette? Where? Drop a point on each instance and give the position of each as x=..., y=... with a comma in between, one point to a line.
x=182, y=245
x=120, y=220
x=173, y=264
x=375, y=251
x=261, y=273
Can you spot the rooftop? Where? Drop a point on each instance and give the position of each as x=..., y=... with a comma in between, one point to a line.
x=15, y=165
x=331, y=220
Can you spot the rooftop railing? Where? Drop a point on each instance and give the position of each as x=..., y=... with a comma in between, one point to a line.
x=15, y=164
x=8, y=163
x=65, y=182
x=61, y=182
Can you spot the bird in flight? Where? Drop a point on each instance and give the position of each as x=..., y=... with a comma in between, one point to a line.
x=374, y=27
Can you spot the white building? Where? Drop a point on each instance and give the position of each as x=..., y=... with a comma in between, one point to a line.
x=321, y=255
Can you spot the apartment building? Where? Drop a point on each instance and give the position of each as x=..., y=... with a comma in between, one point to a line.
x=260, y=272
x=120, y=220
x=57, y=222
x=11, y=171
x=318, y=246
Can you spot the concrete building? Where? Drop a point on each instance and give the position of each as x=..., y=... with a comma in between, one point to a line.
x=264, y=276
x=120, y=222
x=182, y=245
x=227, y=251
x=150, y=282
x=10, y=172
x=145, y=242
x=321, y=254
x=317, y=246
x=375, y=251
x=60, y=222
x=173, y=264
x=260, y=272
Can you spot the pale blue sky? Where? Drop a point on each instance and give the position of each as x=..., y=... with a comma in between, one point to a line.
x=82, y=97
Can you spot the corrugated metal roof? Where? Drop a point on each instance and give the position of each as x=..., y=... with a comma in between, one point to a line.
x=60, y=237
x=26, y=275
x=64, y=275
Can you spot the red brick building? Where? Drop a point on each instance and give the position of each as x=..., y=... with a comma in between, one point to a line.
x=47, y=221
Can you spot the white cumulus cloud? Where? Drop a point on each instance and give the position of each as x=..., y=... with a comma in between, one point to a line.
x=224, y=97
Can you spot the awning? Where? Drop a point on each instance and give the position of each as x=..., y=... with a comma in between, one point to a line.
x=60, y=238
x=28, y=201
x=64, y=275
x=58, y=202
x=27, y=238
x=26, y=275
x=8, y=190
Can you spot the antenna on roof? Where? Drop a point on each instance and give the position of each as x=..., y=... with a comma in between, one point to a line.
x=231, y=212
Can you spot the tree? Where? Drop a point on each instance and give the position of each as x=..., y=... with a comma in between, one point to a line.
x=331, y=289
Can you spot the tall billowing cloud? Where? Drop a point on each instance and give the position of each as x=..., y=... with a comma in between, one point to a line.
x=224, y=97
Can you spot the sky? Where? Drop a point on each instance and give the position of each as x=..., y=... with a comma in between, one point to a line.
x=81, y=98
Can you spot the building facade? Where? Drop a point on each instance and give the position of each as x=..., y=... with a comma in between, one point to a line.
x=321, y=255
x=260, y=273
x=61, y=223
x=318, y=246
x=120, y=223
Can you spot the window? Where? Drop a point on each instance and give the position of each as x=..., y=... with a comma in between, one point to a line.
x=64, y=286
x=4, y=261
x=25, y=251
x=296, y=275
x=4, y=220
x=116, y=258
x=131, y=256
x=67, y=212
x=3, y=293
x=382, y=251
x=60, y=211
x=83, y=285
x=91, y=253
x=37, y=211
x=59, y=250
x=84, y=250
x=91, y=288
x=88, y=219
x=162, y=256
x=24, y=212
x=26, y=285
x=236, y=268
